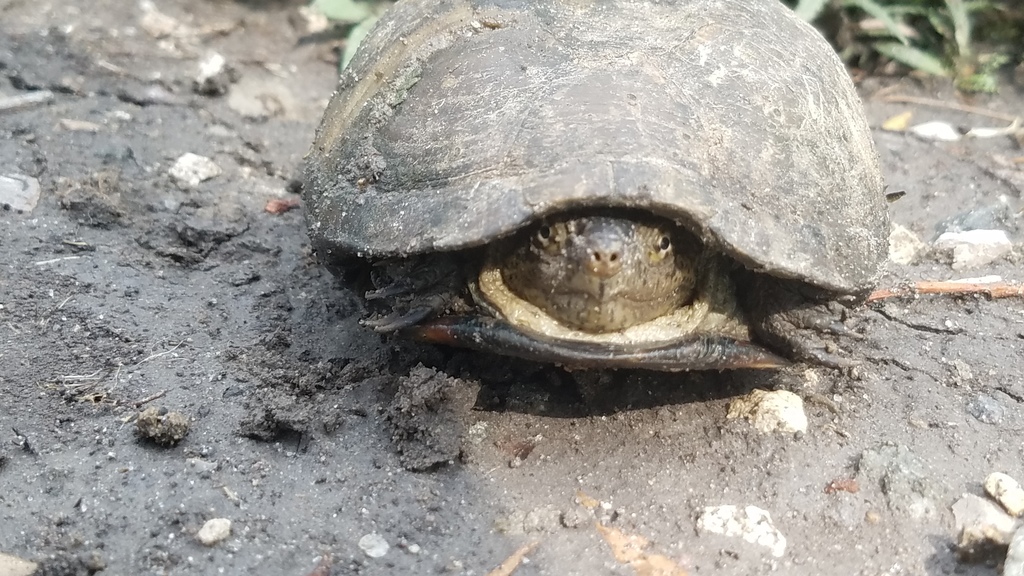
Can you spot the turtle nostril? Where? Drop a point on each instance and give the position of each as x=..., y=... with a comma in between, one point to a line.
x=605, y=263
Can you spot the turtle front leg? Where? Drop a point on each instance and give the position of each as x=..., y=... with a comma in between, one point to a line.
x=796, y=320
x=408, y=291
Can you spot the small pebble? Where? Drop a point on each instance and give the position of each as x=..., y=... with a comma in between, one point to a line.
x=215, y=76
x=751, y=523
x=1007, y=492
x=191, y=169
x=777, y=411
x=72, y=125
x=904, y=245
x=374, y=545
x=973, y=248
x=985, y=408
x=214, y=531
x=162, y=427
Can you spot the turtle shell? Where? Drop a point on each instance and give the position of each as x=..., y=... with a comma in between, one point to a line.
x=460, y=121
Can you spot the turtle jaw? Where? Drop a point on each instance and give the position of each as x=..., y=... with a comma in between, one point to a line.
x=693, y=352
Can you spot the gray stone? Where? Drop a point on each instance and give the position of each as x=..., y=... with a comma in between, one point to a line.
x=986, y=409
x=19, y=192
x=901, y=475
x=973, y=248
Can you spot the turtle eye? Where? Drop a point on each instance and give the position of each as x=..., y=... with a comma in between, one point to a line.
x=661, y=248
x=544, y=237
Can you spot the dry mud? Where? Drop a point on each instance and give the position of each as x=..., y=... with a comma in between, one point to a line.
x=125, y=288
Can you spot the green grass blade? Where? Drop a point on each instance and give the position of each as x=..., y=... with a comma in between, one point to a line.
x=349, y=11
x=876, y=10
x=355, y=38
x=961, y=26
x=914, y=57
x=809, y=10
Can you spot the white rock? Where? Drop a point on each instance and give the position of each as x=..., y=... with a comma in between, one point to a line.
x=19, y=191
x=777, y=411
x=191, y=169
x=974, y=513
x=160, y=25
x=210, y=66
x=904, y=245
x=14, y=566
x=990, y=279
x=374, y=545
x=750, y=523
x=1014, y=564
x=974, y=247
x=214, y=75
x=262, y=97
x=941, y=131
x=214, y=531
x=1006, y=491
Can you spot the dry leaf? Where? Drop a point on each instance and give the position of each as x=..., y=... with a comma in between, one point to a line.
x=281, y=205
x=512, y=562
x=629, y=549
x=586, y=501
x=898, y=123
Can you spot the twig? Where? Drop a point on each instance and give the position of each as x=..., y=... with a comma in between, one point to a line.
x=949, y=106
x=12, y=103
x=159, y=354
x=147, y=399
x=990, y=289
x=510, y=564
x=45, y=262
x=92, y=376
x=117, y=378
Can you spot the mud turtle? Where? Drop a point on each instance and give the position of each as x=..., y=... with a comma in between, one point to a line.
x=666, y=184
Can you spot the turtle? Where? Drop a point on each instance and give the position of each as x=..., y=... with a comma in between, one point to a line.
x=654, y=184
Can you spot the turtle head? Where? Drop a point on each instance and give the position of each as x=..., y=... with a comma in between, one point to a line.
x=603, y=272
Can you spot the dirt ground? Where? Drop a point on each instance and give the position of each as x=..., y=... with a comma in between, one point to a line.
x=128, y=288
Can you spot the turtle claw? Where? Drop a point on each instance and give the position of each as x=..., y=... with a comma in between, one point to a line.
x=386, y=292
x=398, y=320
x=791, y=321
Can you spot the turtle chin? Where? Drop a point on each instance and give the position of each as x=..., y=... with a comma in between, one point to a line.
x=601, y=308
